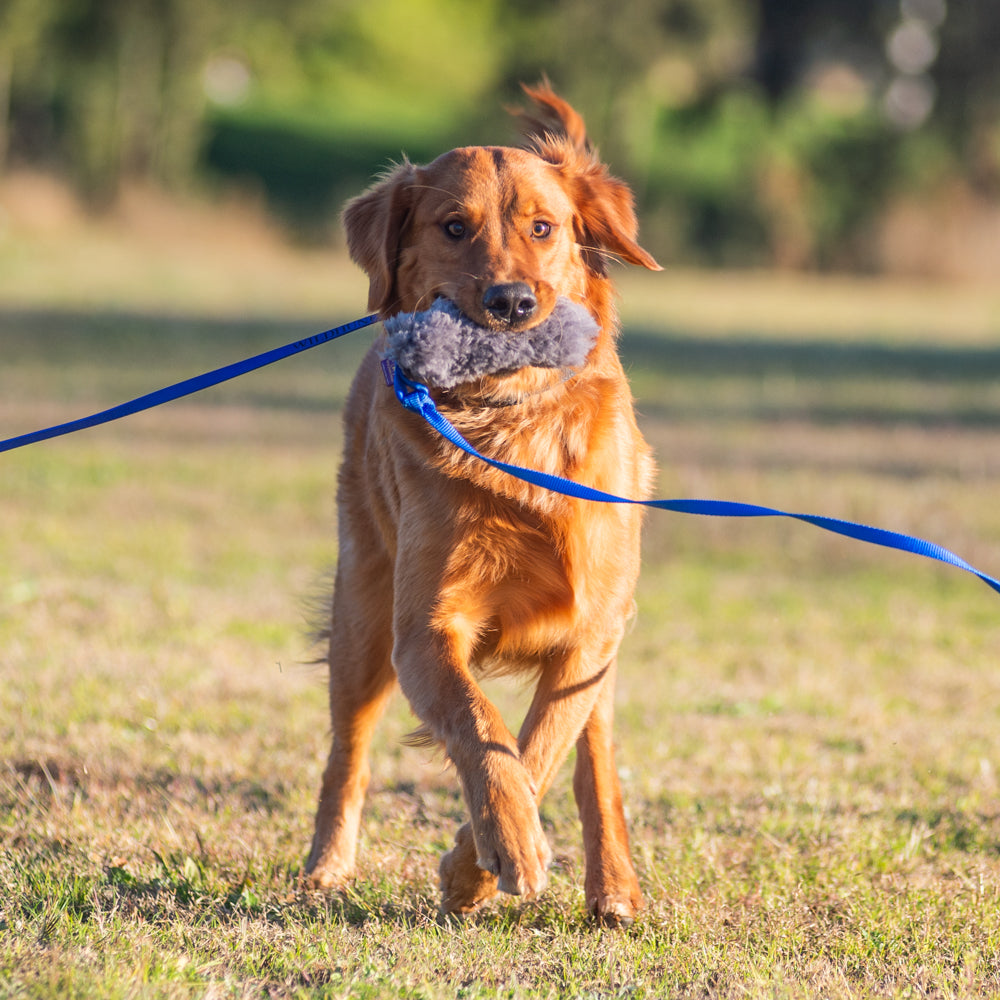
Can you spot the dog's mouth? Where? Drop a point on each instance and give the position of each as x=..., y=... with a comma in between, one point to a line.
x=443, y=348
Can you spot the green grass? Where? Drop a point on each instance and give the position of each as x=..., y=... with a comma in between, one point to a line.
x=806, y=726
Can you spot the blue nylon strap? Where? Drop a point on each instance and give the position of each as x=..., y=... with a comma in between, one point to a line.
x=188, y=386
x=415, y=397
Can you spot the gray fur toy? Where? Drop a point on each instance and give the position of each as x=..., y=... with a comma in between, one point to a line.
x=443, y=348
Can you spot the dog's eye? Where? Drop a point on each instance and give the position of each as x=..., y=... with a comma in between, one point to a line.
x=455, y=229
x=541, y=229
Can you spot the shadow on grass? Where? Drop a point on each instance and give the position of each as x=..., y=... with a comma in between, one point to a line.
x=911, y=371
x=36, y=333
x=52, y=779
x=120, y=354
x=111, y=357
x=751, y=355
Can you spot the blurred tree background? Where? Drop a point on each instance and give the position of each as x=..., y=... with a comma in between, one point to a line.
x=826, y=134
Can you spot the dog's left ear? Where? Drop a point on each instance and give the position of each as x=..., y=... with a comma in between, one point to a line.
x=605, y=210
x=605, y=219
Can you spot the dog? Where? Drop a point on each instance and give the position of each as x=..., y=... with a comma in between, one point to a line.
x=449, y=569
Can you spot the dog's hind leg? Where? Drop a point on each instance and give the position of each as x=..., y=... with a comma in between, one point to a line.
x=361, y=679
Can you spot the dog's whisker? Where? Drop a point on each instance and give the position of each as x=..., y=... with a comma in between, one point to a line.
x=603, y=252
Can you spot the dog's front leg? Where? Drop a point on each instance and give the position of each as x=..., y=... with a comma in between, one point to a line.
x=360, y=682
x=509, y=846
x=565, y=700
x=610, y=884
x=575, y=702
x=568, y=689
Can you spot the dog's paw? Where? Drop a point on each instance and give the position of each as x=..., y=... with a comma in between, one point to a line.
x=464, y=885
x=327, y=870
x=324, y=879
x=616, y=902
x=509, y=840
x=613, y=911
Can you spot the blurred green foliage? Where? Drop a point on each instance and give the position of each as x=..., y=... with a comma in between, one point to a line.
x=736, y=183
x=753, y=132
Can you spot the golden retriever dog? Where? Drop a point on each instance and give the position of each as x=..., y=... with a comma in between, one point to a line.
x=449, y=569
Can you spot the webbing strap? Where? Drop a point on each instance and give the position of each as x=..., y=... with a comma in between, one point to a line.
x=187, y=387
x=417, y=398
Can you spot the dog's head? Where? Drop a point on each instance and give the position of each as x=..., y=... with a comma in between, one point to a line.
x=502, y=232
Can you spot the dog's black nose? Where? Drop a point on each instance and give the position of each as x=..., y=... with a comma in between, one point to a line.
x=510, y=303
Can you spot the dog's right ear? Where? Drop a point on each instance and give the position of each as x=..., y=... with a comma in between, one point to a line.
x=374, y=223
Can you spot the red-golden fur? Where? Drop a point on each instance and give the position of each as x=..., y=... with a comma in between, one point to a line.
x=448, y=567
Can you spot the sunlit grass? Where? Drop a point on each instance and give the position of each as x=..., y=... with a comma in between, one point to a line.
x=806, y=726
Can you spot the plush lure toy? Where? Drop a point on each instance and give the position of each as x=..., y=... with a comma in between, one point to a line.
x=442, y=348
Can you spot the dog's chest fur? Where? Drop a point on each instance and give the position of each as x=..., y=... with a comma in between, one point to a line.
x=509, y=573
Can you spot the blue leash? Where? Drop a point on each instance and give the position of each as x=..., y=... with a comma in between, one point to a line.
x=188, y=386
x=417, y=398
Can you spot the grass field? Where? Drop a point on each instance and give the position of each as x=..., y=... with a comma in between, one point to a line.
x=807, y=727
